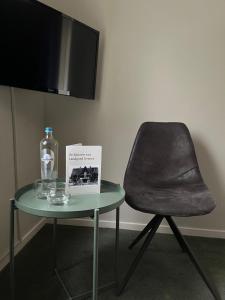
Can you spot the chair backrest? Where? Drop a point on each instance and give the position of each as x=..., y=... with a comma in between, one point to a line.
x=163, y=154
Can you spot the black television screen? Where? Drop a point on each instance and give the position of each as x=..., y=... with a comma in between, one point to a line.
x=42, y=49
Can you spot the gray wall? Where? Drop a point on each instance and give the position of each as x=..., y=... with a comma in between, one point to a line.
x=159, y=61
x=7, y=168
x=29, y=122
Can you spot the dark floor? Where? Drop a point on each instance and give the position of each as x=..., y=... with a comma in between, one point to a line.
x=164, y=273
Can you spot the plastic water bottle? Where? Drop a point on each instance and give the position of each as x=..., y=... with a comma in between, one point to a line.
x=49, y=155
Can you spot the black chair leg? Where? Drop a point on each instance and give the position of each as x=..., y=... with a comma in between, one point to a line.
x=187, y=249
x=140, y=254
x=145, y=231
x=174, y=229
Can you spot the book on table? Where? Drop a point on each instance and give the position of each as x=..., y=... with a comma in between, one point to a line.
x=83, y=169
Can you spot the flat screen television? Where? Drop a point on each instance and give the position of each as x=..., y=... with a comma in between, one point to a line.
x=45, y=50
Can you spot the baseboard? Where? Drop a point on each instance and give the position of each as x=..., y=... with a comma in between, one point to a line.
x=210, y=233
x=4, y=259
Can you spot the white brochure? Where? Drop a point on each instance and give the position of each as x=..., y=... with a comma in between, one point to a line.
x=83, y=169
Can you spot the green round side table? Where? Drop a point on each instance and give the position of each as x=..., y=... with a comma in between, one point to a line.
x=88, y=205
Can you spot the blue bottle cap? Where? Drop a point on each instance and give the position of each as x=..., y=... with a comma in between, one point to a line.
x=48, y=130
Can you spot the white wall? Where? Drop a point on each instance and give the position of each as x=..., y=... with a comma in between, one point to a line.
x=159, y=61
x=29, y=122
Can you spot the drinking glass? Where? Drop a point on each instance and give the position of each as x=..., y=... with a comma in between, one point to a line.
x=58, y=194
x=42, y=187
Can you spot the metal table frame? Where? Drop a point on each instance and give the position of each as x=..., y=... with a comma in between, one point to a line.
x=95, y=287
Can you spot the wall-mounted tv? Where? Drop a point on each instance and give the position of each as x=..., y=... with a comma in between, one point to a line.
x=42, y=49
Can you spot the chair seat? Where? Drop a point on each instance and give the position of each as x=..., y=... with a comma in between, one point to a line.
x=182, y=200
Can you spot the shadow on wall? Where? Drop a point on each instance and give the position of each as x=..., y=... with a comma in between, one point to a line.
x=100, y=64
x=210, y=174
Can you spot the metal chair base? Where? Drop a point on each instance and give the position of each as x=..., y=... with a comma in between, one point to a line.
x=150, y=231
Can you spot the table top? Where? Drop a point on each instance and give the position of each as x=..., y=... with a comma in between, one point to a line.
x=111, y=196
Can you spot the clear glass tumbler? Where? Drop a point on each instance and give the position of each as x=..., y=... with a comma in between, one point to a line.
x=42, y=187
x=58, y=194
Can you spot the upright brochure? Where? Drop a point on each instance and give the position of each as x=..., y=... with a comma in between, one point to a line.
x=83, y=169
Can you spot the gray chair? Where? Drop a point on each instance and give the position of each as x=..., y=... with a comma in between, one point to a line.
x=163, y=178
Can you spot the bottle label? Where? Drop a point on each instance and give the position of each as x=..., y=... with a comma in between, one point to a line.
x=47, y=156
x=47, y=159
